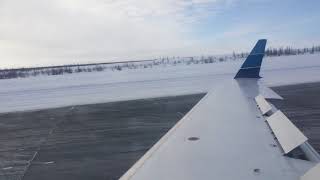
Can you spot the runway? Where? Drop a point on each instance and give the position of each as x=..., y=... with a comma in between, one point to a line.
x=301, y=105
x=98, y=141
x=102, y=141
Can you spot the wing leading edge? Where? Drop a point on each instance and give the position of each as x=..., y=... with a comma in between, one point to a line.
x=224, y=136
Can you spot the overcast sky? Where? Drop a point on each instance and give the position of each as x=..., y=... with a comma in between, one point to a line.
x=51, y=32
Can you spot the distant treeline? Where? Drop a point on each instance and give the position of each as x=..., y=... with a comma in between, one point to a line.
x=164, y=61
x=291, y=51
x=270, y=52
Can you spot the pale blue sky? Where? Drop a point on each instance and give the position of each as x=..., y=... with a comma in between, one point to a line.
x=50, y=32
x=286, y=22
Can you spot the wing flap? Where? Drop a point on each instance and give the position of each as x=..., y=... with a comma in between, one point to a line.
x=288, y=135
x=264, y=106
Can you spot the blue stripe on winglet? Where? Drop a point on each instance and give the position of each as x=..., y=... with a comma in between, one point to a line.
x=251, y=66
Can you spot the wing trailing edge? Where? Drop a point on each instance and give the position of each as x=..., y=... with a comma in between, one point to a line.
x=251, y=66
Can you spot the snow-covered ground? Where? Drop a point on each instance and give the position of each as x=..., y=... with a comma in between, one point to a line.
x=108, y=86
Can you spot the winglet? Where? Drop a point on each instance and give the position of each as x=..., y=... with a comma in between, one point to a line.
x=251, y=66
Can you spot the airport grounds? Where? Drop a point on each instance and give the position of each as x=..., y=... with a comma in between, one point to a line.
x=102, y=141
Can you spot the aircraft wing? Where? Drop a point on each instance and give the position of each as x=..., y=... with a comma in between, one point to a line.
x=226, y=136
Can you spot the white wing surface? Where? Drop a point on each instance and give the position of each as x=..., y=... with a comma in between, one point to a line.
x=224, y=137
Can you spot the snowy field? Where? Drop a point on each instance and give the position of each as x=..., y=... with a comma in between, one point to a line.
x=44, y=92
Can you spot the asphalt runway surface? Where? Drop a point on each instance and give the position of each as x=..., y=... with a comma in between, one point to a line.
x=102, y=141
x=301, y=104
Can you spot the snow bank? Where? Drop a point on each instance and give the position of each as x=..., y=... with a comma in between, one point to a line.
x=98, y=87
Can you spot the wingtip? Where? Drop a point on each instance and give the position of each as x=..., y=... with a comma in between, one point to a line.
x=262, y=41
x=251, y=66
